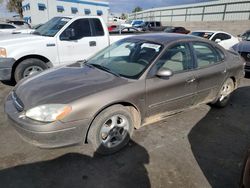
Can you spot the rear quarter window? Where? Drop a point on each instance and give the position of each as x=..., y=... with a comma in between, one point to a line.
x=97, y=26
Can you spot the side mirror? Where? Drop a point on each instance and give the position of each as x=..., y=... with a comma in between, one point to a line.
x=164, y=73
x=218, y=40
x=68, y=34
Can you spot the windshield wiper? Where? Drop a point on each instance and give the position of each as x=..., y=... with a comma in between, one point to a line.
x=103, y=68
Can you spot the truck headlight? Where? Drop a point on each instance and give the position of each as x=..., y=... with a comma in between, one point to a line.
x=3, y=52
x=48, y=112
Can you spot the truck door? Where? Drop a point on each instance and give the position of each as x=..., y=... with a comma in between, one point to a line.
x=83, y=38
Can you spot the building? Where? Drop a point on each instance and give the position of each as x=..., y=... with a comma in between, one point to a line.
x=40, y=11
x=230, y=15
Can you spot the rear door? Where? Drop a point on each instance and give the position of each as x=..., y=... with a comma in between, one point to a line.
x=176, y=92
x=89, y=39
x=210, y=71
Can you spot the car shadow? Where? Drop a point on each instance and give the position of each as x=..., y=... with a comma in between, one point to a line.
x=9, y=83
x=122, y=169
x=221, y=139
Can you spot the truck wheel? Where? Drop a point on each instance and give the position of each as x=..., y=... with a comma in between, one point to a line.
x=111, y=130
x=29, y=67
x=224, y=94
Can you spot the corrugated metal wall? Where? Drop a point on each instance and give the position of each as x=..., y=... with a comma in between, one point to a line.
x=227, y=10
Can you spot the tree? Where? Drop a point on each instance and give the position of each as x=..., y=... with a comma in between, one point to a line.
x=137, y=9
x=15, y=6
x=124, y=16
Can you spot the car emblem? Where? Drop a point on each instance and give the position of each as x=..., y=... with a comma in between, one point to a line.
x=248, y=55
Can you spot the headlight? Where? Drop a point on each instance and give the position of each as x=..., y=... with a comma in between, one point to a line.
x=3, y=52
x=48, y=112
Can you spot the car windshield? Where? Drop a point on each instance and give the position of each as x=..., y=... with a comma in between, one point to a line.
x=127, y=58
x=51, y=27
x=206, y=35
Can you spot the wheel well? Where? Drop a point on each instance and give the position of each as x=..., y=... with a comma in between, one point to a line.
x=133, y=109
x=234, y=80
x=42, y=58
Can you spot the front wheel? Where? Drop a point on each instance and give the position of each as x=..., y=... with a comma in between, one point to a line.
x=29, y=67
x=111, y=130
x=224, y=94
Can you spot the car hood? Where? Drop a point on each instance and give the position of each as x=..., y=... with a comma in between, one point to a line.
x=64, y=85
x=19, y=39
x=243, y=46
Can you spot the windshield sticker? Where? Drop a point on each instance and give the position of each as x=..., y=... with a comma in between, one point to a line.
x=156, y=47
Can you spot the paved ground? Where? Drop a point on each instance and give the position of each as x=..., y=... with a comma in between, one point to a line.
x=202, y=147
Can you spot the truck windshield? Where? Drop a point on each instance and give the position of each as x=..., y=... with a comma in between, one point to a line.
x=52, y=27
x=128, y=58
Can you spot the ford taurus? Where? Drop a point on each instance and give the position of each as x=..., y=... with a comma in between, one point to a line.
x=134, y=82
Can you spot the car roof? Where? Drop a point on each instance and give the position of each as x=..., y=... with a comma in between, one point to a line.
x=211, y=31
x=164, y=38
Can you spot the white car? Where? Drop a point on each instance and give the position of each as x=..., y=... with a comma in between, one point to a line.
x=224, y=39
x=7, y=28
x=26, y=30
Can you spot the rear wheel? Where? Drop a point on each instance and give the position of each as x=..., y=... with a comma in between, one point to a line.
x=224, y=94
x=29, y=67
x=111, y=130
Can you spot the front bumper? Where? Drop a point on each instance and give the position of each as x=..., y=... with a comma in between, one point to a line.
x=46, y=135
x=6, y=65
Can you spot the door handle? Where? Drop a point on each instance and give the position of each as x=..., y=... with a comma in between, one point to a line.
x=92, y=43
x=190, y=80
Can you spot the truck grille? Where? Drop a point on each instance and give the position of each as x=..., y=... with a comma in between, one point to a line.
x=17, y=102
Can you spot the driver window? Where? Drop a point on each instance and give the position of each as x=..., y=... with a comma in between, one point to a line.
x=81, y=28
x=176, y=58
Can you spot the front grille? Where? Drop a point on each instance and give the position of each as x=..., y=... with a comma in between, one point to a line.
x=17, y=102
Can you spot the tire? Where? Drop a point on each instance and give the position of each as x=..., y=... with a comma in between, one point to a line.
x=107, y=133
x=224, y=93
x=24, y=67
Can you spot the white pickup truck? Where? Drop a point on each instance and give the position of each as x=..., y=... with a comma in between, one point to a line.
x=62, y=40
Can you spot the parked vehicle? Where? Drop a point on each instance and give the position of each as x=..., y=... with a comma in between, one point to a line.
x=133, y=82
x=20, y=23
x=243, y=48
x=245, y=36
x=7, y=28
x=132, y=23
x=180, y=30
x=62, y=40
x=27, y=31
x=224, y=39
x=152, y=26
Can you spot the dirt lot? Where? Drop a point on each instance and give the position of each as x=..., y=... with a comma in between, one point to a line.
x=202, y=147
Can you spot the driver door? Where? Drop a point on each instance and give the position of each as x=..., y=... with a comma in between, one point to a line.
x=166, y=95
x=86, y=42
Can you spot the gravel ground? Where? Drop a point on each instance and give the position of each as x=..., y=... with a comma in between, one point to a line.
x=202, y=147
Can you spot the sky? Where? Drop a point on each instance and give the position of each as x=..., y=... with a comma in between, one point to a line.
x=119, y=6
x=125, y=6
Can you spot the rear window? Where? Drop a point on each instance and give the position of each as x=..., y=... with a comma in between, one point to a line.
x=206, y=35
x=97, y=25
